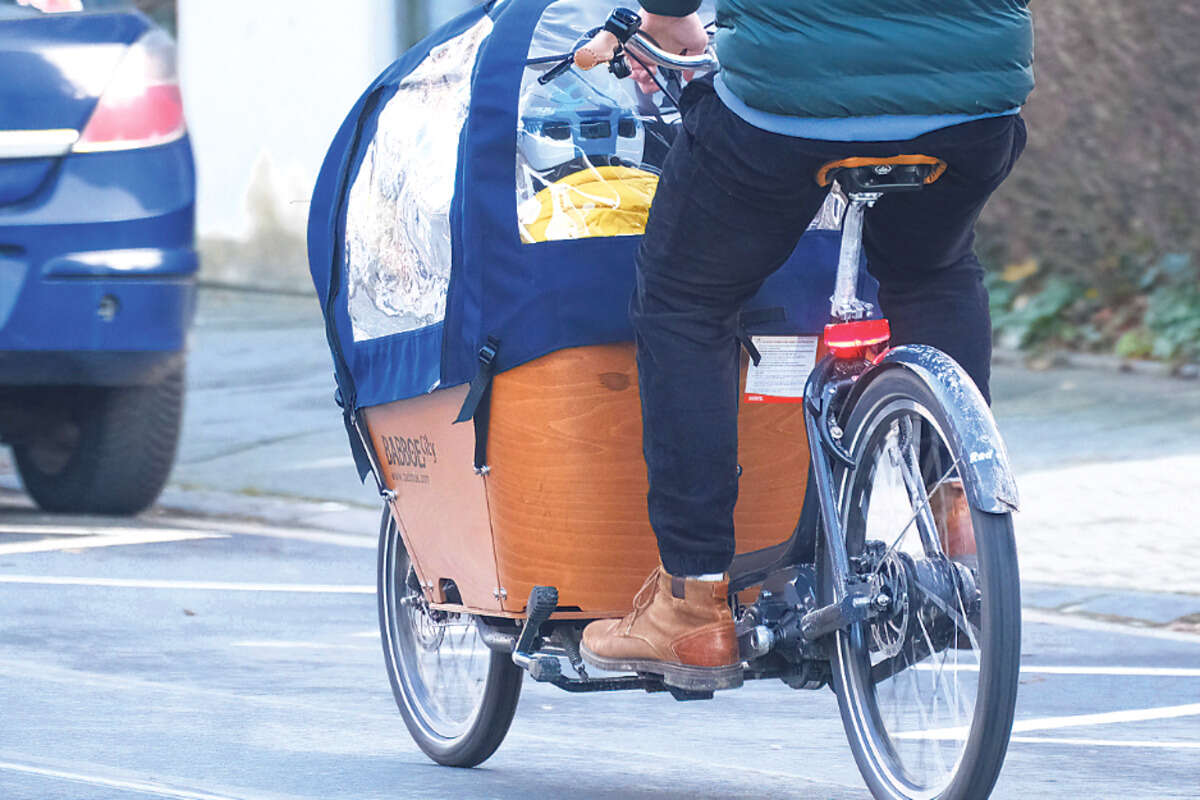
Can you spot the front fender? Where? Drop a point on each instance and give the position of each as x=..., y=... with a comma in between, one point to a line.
x=987, y=476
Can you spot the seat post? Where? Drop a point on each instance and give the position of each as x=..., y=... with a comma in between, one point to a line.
x=846, y=305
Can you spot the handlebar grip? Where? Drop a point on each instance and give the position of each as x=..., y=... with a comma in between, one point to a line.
x=599, y=50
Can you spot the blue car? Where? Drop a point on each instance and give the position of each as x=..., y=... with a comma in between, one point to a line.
x=97, y=252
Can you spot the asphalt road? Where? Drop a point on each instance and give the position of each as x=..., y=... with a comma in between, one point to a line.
x=205, y=659
x=225, y=645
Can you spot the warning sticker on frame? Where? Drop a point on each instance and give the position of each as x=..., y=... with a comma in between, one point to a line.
x=786, y=364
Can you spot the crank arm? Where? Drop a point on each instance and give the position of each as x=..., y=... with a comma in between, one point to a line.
x=856, y=606
x=650, y=683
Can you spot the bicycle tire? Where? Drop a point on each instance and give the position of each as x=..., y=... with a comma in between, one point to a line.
x=110, y=451
x=465, y=742
x=884, y=751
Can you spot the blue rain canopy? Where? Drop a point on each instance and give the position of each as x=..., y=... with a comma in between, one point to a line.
x=466, y=200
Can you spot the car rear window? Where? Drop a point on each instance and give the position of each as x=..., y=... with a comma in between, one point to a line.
x=65, y=6
x=161, y=11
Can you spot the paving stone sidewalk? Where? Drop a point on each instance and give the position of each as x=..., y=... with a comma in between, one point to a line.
x=1109, y=470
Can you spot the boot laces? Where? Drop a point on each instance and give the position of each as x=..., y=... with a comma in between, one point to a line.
x=643, y=599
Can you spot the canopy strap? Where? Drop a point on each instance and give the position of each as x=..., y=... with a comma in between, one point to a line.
x=362, y=459
x=757, y=316
x=478, y=404
x=747, y=342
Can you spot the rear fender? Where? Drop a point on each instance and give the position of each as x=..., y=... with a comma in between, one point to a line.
x=987, y=476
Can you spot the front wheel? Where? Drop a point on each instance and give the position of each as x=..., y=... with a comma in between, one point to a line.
x=927, y=688
x=457, y=696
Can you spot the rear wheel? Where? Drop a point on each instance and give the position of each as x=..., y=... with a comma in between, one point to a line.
x=928, y=687
x=103, y=450
x=457, y=696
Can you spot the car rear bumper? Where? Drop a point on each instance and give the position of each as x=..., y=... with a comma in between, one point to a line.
x=121, y=314
x=101, y=262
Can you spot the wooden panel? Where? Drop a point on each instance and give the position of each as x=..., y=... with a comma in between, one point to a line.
x=567, y=487
x=441, y=503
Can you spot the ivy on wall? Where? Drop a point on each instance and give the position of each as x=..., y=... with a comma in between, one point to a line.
x=1095, y=239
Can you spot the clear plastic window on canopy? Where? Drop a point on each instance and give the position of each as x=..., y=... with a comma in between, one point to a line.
x=590, y=146
x=398, y=249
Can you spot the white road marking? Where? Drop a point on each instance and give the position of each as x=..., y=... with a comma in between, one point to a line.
x=1136, y=672
x=298, y=534
x=1039, y=616
x=103, y=540
x=140, y=786
x=1107, y=718
x=206, y=586
x=33, y=528
x=321, y=463
x=285, y=645
x=192, y=524
x=1073, y=721
x=1147, y=743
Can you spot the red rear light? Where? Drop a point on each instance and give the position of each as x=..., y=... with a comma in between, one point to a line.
x=854, y=339
x=142, y=106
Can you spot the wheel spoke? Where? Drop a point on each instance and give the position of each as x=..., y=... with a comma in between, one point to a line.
x=439, y=657
x=918, y=496
x=924, y=506
x=960, y=620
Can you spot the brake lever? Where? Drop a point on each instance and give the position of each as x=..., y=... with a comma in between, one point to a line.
x=619, y=65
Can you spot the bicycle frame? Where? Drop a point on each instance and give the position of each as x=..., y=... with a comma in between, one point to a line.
x=849, y=339
x=857, y=345
x=902, y=561
x=839, y=381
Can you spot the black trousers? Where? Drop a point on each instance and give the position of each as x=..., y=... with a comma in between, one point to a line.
x=731, y=205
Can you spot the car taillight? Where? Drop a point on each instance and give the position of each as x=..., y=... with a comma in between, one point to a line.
x=142, y=106
x=53, y=6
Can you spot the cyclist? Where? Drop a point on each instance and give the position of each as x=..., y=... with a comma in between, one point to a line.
x=803, y=83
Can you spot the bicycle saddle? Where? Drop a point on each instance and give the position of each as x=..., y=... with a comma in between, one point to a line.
x=882, y=175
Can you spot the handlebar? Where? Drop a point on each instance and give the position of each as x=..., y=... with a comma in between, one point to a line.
x=646, y=50
x=605, y=45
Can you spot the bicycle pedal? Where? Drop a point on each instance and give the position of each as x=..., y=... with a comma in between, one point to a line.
x=544, y=668
x=543, y=600
x=684, y=695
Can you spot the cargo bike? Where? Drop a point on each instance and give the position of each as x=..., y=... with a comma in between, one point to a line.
x=472, y=242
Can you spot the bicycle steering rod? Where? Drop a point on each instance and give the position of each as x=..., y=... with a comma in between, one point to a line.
x=621, y=31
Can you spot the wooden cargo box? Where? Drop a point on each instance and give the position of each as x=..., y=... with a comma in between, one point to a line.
x=564, y=501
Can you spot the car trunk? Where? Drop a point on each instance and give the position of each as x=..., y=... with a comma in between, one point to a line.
x=55, y=68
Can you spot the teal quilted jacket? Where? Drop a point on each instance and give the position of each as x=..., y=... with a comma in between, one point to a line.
x=858, y=58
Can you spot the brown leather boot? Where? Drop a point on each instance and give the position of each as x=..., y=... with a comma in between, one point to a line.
x=680, y=629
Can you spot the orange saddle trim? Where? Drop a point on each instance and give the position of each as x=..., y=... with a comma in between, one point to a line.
x=939, y=166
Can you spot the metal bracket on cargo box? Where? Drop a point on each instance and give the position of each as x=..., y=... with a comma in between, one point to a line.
x=478, y=404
